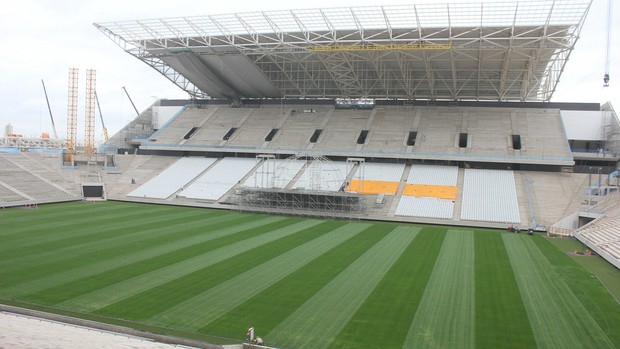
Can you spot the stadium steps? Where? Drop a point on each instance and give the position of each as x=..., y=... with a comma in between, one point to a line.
x=238, y=125
x=279, y=125
x=145, y=168
x=524, y=207
x=209, y=114
x=369, y=122
x=176, y=193
x=176, y=196
x=458, y=203
x=9, y=193
x=324, y=123
x=399, y=193
x=226, y=196
x=43, y=173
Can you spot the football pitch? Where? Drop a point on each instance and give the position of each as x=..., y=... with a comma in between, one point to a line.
x=301, y=283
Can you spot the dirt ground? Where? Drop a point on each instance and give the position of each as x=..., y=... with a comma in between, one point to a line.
x=22, y=332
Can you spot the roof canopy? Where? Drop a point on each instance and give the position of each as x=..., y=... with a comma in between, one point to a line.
x=466, y=51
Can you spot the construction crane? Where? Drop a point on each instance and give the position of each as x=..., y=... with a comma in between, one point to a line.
x=105, y=130
x=608, y=44
x=50, y=109
x=133, y=105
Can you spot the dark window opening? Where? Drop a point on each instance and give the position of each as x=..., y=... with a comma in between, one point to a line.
x=190, y=133
x=271, y=134
x=362, y=137
x=462, y=140
x=516, y=142
x=412, y=137
x=315, y=135
x=229, y=133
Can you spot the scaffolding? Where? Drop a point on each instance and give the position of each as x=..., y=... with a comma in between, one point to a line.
x=89, y=130
x=265, y=174
x=303, y=203
x=272, y=192
x=72, y=104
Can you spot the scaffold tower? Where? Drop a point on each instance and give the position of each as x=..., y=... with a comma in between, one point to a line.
x=89, y=131
x=72, y=115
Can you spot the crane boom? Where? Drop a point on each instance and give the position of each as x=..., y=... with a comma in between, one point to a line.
x=608, y=44
x=105, y=130
x=130, y=100
x=49, y=109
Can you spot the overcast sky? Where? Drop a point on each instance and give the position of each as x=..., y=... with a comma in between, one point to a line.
x=41, y=39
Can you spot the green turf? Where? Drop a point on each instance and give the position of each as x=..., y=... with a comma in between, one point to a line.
x=500, y=312
x=586, y=288
x=445, y=317
x=604, y=271
x=304, y=283
x=389, y=310
x=558, y=318
x=283, y=297
x=316, y=322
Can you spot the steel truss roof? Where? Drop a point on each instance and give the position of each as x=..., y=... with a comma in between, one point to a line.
x=466, y=51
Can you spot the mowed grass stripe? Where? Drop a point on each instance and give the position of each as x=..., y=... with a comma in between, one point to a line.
x=113, y=227
x=274, y=304
x=13, y=219
x=132, y=233
x=72, y=283
x=446, y=315
x=37, y=235
x=558, y=319
x=154, y=301
x=594, y=296
x=199, y=311
x=122, y=290
x=56, y=226
x=500, y=312
x=383, y=320
x=318, y=321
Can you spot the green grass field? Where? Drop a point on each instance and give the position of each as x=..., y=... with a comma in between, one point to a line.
x=301, y=283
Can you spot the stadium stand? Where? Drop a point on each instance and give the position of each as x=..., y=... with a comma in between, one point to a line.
x=219, y=179
x=489, y=132
x=490, y=196
x=430, y=192
x=9, y=194
x=603, y=234
x=218, y=123
x=376, y=178
x=389, y=128
x=426, y=207
x=343, y=128
x=256, y=127
x=173, y=178
x=26, y=178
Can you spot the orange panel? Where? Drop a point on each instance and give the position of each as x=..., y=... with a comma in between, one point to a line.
x=373, y=187
x=431, y=191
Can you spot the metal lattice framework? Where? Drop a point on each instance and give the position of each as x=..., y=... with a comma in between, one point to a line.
x=467, y=51
x=89, y=101
x=72, y=104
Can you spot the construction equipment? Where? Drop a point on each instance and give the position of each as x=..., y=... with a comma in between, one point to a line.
x=72, y=103
x=89, y=114
x=133, y=105
x=50, y=110
x=105, y=130
x=608, y=44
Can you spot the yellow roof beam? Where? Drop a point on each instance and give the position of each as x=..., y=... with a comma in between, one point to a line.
x=380, y=47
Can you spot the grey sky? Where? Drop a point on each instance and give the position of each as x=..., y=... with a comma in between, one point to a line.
x=41, y=39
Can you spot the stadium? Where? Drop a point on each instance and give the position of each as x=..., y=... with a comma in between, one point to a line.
x=364, y=177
